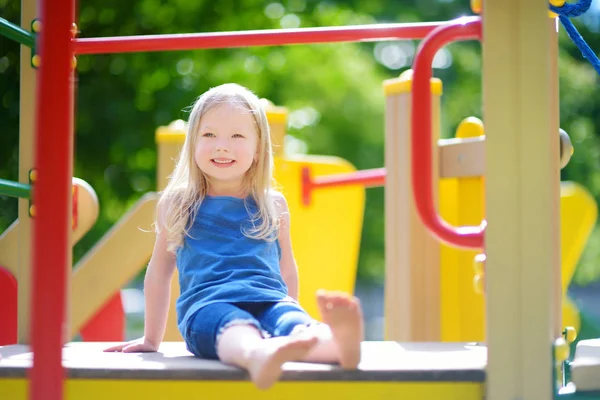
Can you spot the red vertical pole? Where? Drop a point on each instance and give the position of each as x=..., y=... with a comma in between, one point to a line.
x=52, y=193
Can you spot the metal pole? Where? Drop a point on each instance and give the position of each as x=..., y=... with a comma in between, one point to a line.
x=53, y=159
x=14, y=189
x=267, y=37
x=16, y=33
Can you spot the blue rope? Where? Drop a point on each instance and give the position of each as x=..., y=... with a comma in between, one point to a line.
x=572, y=10
x=567, y=11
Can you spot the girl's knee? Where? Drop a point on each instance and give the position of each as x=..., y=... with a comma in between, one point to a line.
x=285, y=318
x=206, y=327
x=244, y=324
x=293, y=326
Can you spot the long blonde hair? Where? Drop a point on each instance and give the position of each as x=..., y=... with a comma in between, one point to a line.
x=188, y=185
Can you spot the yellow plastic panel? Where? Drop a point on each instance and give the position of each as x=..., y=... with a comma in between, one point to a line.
x=325, y=234
x=82, y=389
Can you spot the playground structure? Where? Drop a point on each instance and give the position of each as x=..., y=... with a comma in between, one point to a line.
x=442, y=306
x=520, y=285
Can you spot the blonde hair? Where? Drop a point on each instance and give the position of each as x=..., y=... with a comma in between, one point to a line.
x=188, y=185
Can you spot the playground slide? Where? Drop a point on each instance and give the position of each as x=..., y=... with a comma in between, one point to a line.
x=116, y=259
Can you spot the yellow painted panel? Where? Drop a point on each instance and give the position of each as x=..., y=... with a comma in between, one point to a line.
x=325, y=234
x=578, y=218
x=463, y=310
x=81, y=389
x=471, y=213
x=449, y=266
x=461, y=204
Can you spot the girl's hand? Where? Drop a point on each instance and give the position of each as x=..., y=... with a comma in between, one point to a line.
x=141, y=345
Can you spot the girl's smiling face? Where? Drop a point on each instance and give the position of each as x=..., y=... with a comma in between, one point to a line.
x=226, y=146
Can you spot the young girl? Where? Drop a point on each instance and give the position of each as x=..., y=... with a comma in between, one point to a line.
x=228, y=233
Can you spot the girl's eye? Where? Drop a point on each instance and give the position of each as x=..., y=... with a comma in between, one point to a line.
x=208, y=134
x=237, y=135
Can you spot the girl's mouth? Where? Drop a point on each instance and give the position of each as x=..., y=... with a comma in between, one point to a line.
x=222, y=162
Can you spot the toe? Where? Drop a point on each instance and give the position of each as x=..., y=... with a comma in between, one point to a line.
x=321, y=300
x=341, y=300
x=323, y=294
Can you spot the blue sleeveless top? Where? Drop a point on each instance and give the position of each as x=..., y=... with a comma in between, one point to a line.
x=218, y=263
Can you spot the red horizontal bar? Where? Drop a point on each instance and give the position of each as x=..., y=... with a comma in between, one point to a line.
x=422, y=136
x=267, y=37
x=366, y=178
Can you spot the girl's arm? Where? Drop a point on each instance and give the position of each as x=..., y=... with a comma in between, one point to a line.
x=157, y=293
x=157, y=284
x=288, y=267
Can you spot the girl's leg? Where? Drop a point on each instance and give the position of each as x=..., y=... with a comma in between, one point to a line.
x=243, y=345
x=342, y=331
x=339, y=336
x=234, y=336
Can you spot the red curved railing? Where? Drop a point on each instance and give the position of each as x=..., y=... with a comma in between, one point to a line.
x=421, y=132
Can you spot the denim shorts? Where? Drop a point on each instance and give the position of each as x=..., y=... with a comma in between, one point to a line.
x=270, y=318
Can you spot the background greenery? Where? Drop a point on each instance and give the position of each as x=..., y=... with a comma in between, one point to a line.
x=334, y=93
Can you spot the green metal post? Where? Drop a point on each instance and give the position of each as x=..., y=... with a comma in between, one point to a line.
x=16, y=33
x=15, y=189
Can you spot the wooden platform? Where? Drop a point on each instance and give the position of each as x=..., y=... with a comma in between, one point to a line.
x=382, y=361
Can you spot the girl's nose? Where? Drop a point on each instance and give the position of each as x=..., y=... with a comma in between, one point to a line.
x=221, y=145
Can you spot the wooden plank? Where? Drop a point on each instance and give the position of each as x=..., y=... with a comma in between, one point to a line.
x=522, y=199
x=382, y=361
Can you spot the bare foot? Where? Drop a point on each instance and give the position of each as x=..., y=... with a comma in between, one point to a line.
x=266, y=361
x=343, y=314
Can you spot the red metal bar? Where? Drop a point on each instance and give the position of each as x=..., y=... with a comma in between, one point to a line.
x=267, y=37
x=366, y=178
x=306, y=186
x=467, y=236
x=53, y=160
